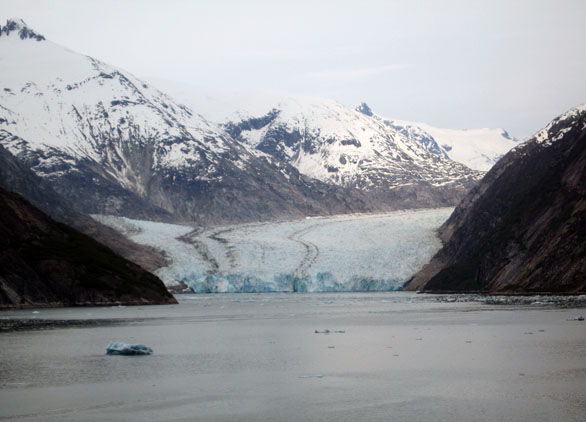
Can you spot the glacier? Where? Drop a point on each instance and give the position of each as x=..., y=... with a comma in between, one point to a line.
x=358, y=252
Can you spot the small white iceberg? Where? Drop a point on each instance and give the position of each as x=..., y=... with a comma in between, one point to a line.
x=125, y=349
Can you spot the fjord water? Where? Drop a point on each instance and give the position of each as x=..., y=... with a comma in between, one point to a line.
x=257, y=357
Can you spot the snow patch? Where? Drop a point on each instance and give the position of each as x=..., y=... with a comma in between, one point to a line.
x=547, y=136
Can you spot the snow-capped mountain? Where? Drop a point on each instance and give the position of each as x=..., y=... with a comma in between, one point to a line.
x=478, y=149
x=79, y=108
x=113, y=144
x=327, y=141
x=62, y=111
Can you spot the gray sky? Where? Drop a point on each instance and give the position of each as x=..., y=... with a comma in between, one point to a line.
x=456, y=64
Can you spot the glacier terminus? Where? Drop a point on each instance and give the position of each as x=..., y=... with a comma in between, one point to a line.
x=367, y=252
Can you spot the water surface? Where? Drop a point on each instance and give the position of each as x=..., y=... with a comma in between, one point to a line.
x=387, y=356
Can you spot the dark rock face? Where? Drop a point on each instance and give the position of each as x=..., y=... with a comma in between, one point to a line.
x=364, y=109
x=17, y=177
x=46, y=263
x=523, y=228
x=20, y=27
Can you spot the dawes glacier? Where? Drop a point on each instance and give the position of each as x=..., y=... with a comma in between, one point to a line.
x=375, y=252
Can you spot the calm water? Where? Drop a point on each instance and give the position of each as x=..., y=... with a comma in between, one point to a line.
x=388, y=356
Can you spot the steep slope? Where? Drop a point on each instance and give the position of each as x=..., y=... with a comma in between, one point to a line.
x=326, y=141
x=17, y=177
x=112, y=144
x=46, y=263
x=523, y=228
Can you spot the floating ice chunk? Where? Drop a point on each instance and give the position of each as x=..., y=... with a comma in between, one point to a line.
x=115, y=348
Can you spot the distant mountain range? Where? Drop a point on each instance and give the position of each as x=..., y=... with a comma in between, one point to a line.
x=113, y=144
x=478, y=149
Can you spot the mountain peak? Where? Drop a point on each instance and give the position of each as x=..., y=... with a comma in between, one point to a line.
x=364, y=109
x=18, y=26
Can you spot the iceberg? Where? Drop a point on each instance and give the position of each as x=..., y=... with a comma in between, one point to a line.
x=115, y=348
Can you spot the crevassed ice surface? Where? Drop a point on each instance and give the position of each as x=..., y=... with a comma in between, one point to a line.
x=377, y=252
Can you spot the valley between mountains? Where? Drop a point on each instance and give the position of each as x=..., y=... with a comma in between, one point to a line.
x=323, y=214
x=229, y=194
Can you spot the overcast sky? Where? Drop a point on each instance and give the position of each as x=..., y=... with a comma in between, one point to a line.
x=456, y=64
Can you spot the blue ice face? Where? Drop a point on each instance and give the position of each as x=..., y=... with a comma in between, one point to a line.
x=115, y=348
x=334, y=254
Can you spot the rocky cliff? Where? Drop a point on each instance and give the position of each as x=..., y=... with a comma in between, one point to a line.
x=17, y=177
x=47, y=263
x=523, y=228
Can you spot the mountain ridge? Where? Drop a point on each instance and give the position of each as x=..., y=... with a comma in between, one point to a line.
x=324, y=140
x=478, y=149
x=113, y=144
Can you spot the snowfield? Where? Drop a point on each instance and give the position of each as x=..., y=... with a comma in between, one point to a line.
x=377, y=252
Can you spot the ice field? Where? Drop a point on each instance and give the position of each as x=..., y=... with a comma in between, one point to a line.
x=324, y=254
